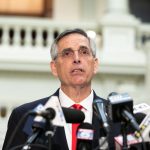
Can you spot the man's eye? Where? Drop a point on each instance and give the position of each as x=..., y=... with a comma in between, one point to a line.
x=85, y=51
x=66, y=53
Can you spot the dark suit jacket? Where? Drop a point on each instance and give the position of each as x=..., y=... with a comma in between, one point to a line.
x=59, y=140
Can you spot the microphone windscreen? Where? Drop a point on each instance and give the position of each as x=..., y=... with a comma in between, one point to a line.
x=73, y=115
x=85, y=131
x=85, y=134
x=139, y=117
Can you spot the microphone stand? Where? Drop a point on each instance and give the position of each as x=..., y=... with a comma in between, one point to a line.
x=30, y=140
x=124, y=135
x=49, y=133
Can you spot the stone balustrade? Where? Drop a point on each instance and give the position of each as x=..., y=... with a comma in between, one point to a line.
x=34, y=31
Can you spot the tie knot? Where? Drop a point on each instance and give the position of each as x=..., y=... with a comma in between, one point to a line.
x=77, y=106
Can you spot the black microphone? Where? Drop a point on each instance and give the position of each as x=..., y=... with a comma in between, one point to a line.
x=137, y=139
x=85, y=133
x=73, y=115
x=139, y=117
x=101, y=111
x=121, y=109
x=49, y=113
x=70, y=115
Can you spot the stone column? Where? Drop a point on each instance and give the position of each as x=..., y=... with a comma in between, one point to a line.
x=119, y=28
x=118, y=6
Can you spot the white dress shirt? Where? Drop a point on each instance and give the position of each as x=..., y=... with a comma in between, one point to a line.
x=87, y=109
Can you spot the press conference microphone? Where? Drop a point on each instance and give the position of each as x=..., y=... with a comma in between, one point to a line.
x=137, y=139
x=101, y=111
x=73, y=115
x=121, y=109
x=139, y=117
x=85, y=133
x=144, y=129
x=48, y=113
x=62, y=114
x=142, y=107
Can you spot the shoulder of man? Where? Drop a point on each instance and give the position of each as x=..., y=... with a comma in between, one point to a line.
x=31, y=105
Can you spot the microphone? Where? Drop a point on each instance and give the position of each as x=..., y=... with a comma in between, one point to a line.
x=144, y=129
x=121, y=109
x=49, y=116
x=73, y=115
x=142, y=107
x=49, y=113
x=137, y=139
x=102, y=115
x=139, y=117
x=58, y=115
x=85, y=134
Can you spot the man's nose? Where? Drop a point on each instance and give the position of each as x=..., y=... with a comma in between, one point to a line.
x=76, y=57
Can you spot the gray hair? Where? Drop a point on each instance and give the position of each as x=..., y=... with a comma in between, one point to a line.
x=54, y=51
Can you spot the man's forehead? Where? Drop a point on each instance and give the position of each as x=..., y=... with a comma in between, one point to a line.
x=72, y=35
x=73, y=39
x=73, y=43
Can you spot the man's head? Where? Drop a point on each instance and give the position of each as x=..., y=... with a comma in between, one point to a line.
x=54, y=50
x=74, y=59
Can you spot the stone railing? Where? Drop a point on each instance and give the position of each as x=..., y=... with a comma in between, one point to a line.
x=34, y=31
x=25, y=42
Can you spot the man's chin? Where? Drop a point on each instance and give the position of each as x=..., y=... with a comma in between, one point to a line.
x=79, y=83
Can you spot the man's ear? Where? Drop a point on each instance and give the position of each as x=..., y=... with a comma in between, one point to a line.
x=96, y=65
x=53, y=68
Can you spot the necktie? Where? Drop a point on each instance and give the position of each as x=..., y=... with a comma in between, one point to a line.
x=74, y=127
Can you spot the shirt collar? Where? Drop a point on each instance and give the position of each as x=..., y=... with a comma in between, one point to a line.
x=67, y=102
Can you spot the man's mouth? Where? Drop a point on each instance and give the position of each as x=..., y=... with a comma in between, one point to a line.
x=77, y=70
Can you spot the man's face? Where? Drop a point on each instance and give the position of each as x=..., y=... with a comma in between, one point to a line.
x=75, y=64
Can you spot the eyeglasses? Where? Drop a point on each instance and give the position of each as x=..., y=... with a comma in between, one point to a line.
x=69, y=53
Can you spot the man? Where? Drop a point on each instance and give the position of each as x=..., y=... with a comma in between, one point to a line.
x=74, y=62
